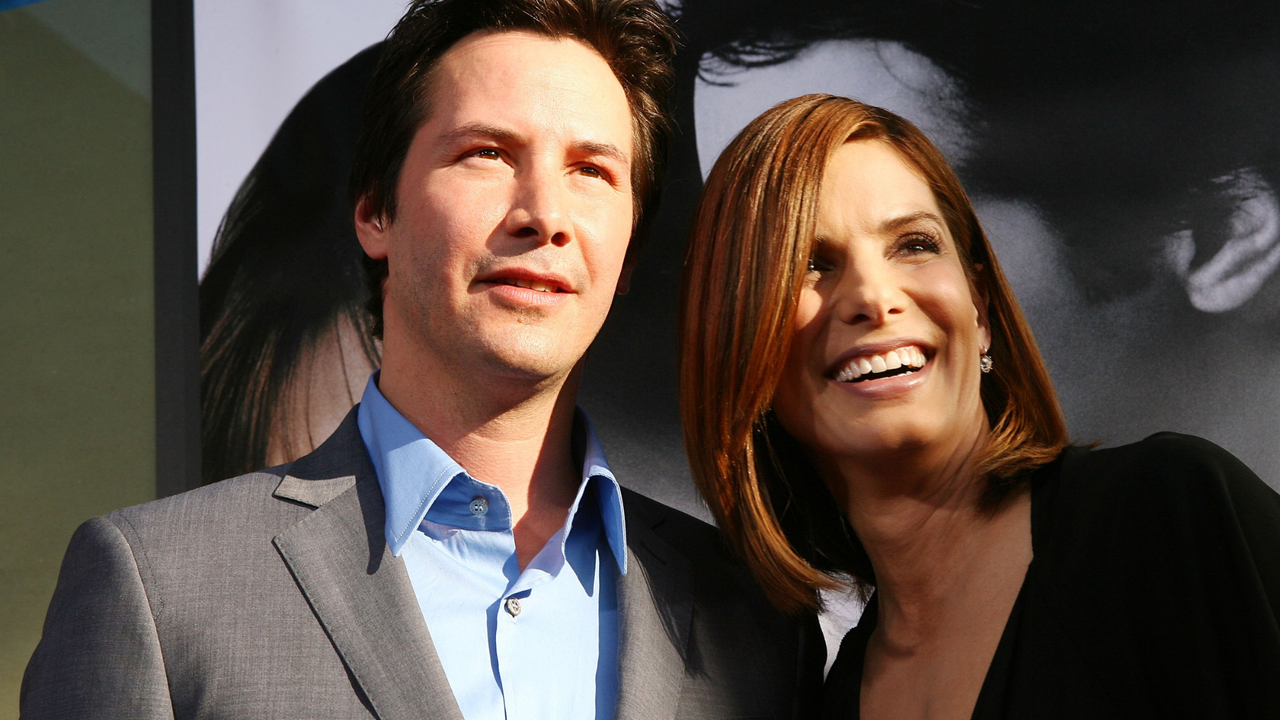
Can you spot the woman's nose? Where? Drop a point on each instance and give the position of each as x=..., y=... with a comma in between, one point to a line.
x=868, y=292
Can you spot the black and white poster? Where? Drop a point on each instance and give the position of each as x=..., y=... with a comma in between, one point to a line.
x=1124, y=158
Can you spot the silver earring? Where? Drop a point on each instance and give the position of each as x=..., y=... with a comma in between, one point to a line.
x=985, y=363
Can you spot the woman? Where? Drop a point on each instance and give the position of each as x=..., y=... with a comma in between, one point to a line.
x=864, y=401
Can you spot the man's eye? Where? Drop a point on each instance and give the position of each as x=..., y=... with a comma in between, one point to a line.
x=486, y=153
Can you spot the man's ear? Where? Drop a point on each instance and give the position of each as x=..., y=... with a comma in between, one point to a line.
x=982, y=303
x=624, y=277
x=371, y=229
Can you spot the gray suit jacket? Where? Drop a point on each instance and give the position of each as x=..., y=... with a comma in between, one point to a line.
x=273, y=595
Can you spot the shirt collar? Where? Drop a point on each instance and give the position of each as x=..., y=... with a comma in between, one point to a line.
x=608, y=491
x=413, y=472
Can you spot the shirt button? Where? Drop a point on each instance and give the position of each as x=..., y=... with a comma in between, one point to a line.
x=479, y=506
x=513, y=606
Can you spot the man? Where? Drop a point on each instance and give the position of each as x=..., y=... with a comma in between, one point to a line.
x=459, y=547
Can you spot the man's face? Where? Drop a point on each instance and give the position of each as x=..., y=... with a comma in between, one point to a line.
x=514, y=209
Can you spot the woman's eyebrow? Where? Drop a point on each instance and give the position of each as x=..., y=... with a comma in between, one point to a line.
x=897, y=223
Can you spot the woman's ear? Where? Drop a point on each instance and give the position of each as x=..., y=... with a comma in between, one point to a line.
x=371, y=229
x=982, y=304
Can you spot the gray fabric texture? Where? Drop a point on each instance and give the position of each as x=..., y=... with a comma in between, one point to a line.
x=273, y=595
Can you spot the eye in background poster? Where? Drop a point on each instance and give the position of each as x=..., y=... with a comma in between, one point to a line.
x=1123, y=159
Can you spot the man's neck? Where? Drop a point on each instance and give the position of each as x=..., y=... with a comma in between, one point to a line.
x=508, y=433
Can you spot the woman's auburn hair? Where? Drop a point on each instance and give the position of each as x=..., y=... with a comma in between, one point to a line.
x=747, y=256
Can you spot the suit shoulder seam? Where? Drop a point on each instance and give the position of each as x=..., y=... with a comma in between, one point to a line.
x=141, y=562
x=145, y=579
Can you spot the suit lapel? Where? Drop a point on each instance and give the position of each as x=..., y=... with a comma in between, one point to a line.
x=359, y=592
x=655, y=608
x=362, y=596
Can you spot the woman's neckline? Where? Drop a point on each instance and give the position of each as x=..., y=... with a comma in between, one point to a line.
x=994, y=684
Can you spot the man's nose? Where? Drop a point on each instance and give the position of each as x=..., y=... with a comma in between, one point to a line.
x=539, y=210
x=869, y=291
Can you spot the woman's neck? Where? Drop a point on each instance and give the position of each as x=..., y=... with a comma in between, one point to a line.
x=934, y=547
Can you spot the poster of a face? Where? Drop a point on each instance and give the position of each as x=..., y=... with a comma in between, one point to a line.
x=1123, y=159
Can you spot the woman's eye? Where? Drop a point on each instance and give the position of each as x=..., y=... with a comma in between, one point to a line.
x=818, y=265
x=916, y=244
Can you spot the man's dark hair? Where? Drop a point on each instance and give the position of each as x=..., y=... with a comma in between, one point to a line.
x=634, y=37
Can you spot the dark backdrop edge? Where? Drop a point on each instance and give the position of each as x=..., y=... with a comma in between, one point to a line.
x=177, y=312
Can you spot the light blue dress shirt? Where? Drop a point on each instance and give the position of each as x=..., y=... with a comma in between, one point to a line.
x=529, y=645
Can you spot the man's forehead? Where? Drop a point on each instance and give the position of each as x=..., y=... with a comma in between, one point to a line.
x=489, y=51
x=522, y=82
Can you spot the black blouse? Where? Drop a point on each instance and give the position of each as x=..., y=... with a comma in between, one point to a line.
x=1154, y=592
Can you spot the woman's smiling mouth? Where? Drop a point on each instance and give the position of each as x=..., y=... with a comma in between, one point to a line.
x=899, y=361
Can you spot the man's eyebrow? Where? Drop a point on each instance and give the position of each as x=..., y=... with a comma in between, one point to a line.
x=478, y=129
x=602, y=149
x=897, y=223
x=501, y=134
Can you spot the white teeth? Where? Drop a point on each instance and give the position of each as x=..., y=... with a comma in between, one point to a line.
x=533, y=285
x=908, y=356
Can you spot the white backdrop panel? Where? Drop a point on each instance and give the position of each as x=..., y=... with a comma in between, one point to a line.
x=254, y=60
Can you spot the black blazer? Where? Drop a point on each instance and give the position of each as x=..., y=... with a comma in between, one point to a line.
x=1154, y=592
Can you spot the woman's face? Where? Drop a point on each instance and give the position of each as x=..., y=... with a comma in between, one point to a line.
x=888, y=331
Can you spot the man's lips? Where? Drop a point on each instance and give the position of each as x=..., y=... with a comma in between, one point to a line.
x=529, y=279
